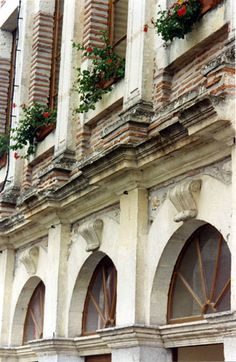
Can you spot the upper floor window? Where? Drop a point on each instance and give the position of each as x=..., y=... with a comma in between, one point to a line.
x=33, y=327
x=117, y=25
x=201, y=279
x=56, y=53
x=100, y=304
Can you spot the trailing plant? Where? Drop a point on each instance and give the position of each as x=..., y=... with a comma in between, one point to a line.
x=178, y=19
x=106, y=68
x=33, y=119
x=4, y=144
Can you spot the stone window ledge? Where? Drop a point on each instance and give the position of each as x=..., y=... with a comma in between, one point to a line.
x=211, y=22
x=212, y=329
x=109, y=100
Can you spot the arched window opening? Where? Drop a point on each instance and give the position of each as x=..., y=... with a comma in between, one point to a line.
x=33, y=327
x=100, y=304
x=201, y=279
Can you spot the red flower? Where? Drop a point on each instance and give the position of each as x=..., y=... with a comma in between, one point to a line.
x=46, y=114
x=16, y=156
x=145, y=28
x=182, y=11
x=89, y=49
x=109, y=61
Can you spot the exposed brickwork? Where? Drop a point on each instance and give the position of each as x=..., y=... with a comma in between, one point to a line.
x=41, y=58
x=95, y=21
x=186, y=80
x=4, y=85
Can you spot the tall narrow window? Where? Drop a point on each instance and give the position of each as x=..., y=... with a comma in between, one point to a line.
x=56, y=53
x=201, y=279
x=11, y=79
x=117, y=25
x=100, y=304
x=33, y=328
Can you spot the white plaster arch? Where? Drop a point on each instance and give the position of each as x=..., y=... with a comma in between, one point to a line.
x=80, y=292
x=167, y=238
x=81, y=266
x=20, y=310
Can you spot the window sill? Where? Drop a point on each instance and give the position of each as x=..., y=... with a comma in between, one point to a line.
x=45, y=144
x=109, y=100
x=211, y=22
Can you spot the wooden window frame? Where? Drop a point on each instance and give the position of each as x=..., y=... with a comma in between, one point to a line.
x=105, y=262
x=56, y=53
x=208, y=302
x=41, y=289
x=111, y=25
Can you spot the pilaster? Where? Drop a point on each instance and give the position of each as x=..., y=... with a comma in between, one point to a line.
x=7, y=258
x=139, y=53
x=56, y=283
x=229, y=349
x=133, y=231
x=66, y=127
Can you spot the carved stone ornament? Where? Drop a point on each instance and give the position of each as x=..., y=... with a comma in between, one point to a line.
x=183, y=197
x=30, y=258
x=92, y=231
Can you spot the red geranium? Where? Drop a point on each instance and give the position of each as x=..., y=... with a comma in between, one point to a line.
x=46, y=114
x=109, y=61
x=16, y=156
x=182, y=11
x=89, y=49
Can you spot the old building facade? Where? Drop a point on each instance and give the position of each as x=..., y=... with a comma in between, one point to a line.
x=118, y=235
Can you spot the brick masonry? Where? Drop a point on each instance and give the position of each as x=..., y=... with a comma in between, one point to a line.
x=4, y=86
x=41, y=58
x=95, y=21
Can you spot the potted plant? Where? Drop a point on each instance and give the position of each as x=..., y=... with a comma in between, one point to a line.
x=106, y=68
x=30, y=130
x=178, y=19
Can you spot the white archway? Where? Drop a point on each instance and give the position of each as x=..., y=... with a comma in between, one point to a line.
x=17, y=327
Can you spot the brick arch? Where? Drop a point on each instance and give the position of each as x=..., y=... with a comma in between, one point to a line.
x=80, y=292
x=17, y=327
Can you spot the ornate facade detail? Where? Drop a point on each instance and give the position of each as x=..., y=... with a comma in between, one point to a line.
x=30, y=258
x=92, y=231
x=183, y=196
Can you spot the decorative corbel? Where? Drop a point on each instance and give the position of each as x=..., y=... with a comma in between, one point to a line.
x=92, y=231
x=30, y=258
x=184, y=197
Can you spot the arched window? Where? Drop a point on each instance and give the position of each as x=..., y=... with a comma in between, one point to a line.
x=33, y=327
x=201, y=279
x=100, y=304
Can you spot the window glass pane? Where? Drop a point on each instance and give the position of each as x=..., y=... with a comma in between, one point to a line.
x=120, y=26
